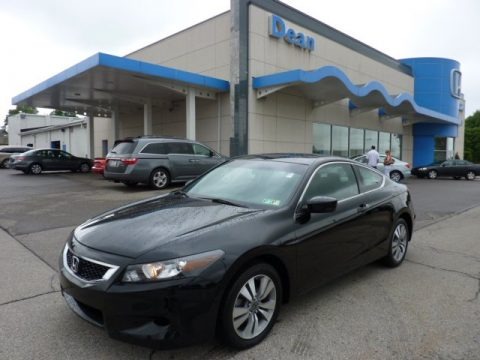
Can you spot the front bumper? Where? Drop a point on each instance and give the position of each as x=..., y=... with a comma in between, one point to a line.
x=161, y=315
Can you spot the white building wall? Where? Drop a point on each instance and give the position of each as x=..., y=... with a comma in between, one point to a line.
x=282, y=122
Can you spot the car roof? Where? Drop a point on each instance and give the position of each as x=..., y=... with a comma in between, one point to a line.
x=298, y=158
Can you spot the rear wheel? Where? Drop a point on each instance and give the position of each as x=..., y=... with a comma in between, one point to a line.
x=35, y=169
x=159, y=178
x=470, y=175
x=84, y=168
x=251, y=306
x=432, y=174
x=395, y=176
x=398, y=244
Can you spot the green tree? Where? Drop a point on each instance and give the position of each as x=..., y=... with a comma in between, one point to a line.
x=63, y=113
x=23, y=108
x=472, y=137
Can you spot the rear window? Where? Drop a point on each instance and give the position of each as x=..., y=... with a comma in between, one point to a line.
x=124, y=147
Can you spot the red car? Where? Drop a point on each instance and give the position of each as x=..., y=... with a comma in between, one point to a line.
x=98, y=165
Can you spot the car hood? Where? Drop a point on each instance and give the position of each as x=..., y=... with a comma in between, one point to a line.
x=132, y=230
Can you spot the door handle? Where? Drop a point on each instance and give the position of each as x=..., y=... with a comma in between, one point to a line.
x=193, y=160
x=363, y=207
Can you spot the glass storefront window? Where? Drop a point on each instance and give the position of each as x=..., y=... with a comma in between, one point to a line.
x=371, y=138
x=356, y=142
x=444, y=147
x=450, y=147
x=340, y=141
x=397, y=146
x=383, y=142
x=321, y=139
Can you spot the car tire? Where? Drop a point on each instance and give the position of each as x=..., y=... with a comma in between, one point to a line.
x=130, y=184
x=251, y=306
x=35, y=169
x=396, y=176
x=398, y=244
x=159, y=178
x=457, y=177
x=84, y=168
x=4, y=164
x=470, y=175
x=432, y=174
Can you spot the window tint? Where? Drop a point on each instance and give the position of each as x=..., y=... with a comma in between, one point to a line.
x=124, y=147
x=335, y=180
x=180, y=148
x=369, y=179
x=202, y=150
x=64, y=155
x=156, y=148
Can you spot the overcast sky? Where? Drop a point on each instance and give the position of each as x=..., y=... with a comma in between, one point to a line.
x=39, y=39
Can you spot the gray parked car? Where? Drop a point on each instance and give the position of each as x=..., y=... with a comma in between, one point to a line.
x=7, y=151
x=400, y=169
x=158, y=161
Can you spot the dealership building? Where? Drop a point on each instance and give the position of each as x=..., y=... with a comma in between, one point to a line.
x=264, y=77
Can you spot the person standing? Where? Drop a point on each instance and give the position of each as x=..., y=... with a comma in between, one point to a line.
x=387, y=163
x=373, y=157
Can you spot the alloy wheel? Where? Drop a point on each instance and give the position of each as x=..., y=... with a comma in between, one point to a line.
x=160, y=179
x=254, y=306
x=470, y=175
x=84, y=168
x=36, y=169
x=432, y=174
x=399, y=242
x=395, y=176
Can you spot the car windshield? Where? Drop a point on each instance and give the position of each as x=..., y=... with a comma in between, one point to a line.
x=251, y=183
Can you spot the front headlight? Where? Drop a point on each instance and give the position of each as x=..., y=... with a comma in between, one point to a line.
x=185, y=266
x=423, y=169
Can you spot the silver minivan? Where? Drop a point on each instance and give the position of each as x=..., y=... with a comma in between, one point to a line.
x=158, y=161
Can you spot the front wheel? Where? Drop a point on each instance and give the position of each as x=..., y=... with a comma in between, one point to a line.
x=395, y=176
x=251, y=306
x=432, y=174
x=159, y=179
x=398, y=244
x=470, y=175
x=4, y=164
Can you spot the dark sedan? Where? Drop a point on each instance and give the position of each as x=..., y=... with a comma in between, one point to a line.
x=450, y=168
x=36, y=161
x=222, y=255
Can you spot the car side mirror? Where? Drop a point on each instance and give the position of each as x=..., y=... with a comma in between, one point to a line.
x=317, y=204
x=322, y=204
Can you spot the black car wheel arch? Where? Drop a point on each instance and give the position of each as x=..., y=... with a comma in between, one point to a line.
x=398, y=243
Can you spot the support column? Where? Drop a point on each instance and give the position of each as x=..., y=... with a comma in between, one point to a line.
x=191, y=117
x=91, y=140
x=147, y=118
x=115, y=123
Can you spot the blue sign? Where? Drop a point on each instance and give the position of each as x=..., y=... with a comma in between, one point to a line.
x=278, y=29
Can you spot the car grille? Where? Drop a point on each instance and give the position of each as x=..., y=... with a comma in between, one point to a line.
x=85, y=269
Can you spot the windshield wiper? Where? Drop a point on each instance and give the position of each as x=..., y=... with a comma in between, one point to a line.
x=225, y=202
x=180, y=192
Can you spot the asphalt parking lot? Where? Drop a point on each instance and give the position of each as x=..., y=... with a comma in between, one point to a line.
x=429, y=308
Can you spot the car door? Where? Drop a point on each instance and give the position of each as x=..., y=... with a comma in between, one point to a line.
x=48, y=159
x=181, y=160
x=204, y=159
x=326, y=243
x=66, y=161
x=446, y=168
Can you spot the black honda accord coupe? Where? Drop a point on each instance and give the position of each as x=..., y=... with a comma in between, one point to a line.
x=221, y=255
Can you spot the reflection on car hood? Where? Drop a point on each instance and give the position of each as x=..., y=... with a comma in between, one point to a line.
x=132, y=230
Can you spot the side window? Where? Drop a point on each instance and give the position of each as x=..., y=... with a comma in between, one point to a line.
x=42, y=153
x=363, y=159
x=369, y=179
x=155, y=148
x=335, y=180
x=202, y=150
x=64, y=155
x=180, y=148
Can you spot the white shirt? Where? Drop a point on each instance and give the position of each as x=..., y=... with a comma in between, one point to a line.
x=373, y=157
